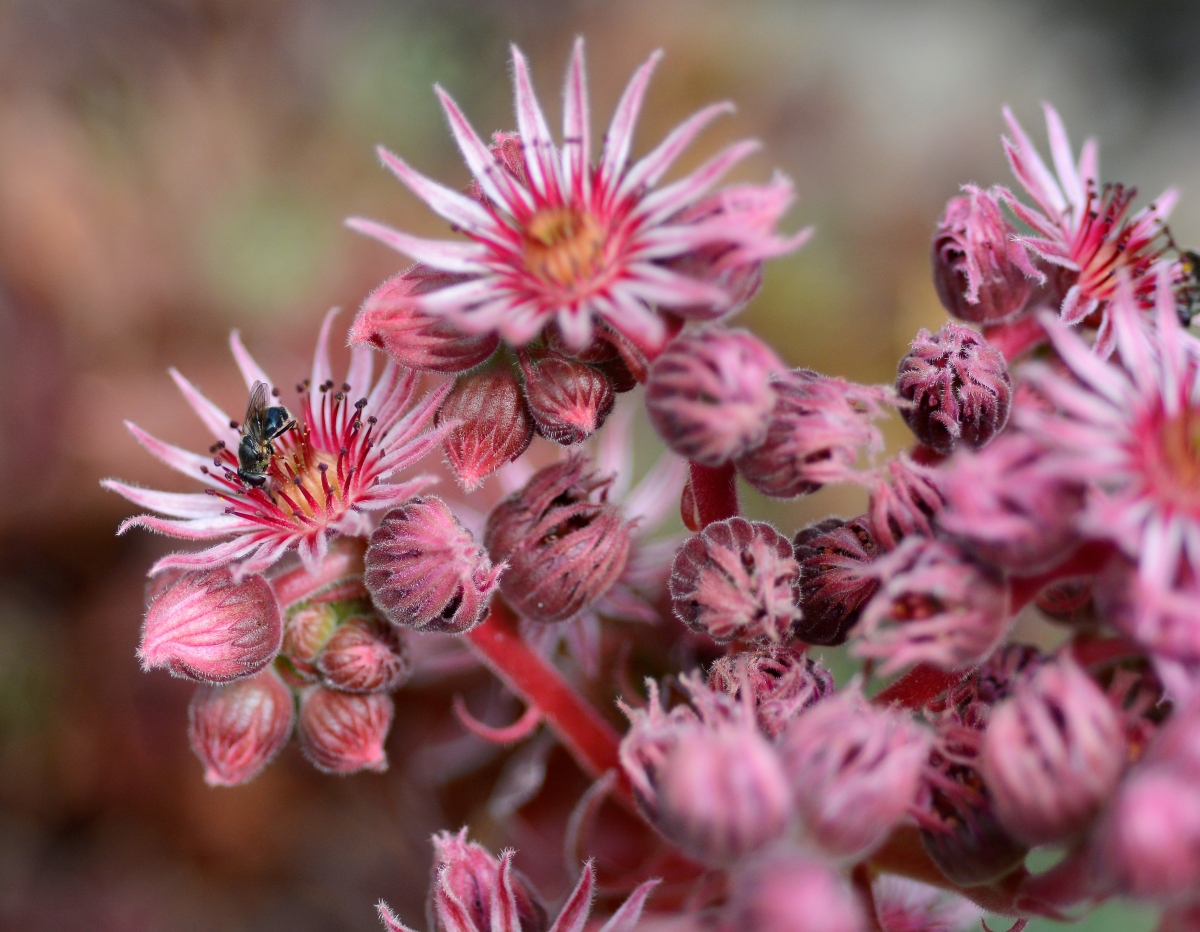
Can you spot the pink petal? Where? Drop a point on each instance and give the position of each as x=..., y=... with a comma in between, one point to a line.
x=669, y=200
x=1030, y=170
x=389, y=920
x=541, y=159
x=446, y=202
x=504, y=917
x=495, y=181
x=652, y=167
x=575, y=913
x=172, y=504
x=626, y=918
x=1064, y=164
x=362, y=366
x=206, y=528
x=216, y=420
x=577, y=147
x=620, y=131
x=210, y=558
x=190, y=464
x=322, y=370
x=251, y=371
x=463, y=258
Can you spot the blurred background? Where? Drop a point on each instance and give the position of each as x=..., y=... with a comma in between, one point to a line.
x=171, y=169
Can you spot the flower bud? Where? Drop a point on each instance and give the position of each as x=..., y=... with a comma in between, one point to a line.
x=904, y=905
x=836, y=580
x=781, y=681
x=365, y=655
x=959, y=387
x=468, y=876
x=790, y=891
x=905, y=499
x=736, y=579
x=980, y=272
x=1148, y=845
x=709, y=394
x=343, y=732
x=209, y=628
x=1006, y=506
x=1052, y=754
x=854, y=770
x=815, y=432
x=391, y=321
x=1163, y=620
x=494, y=426
x=705, y=777
x=1068, y=600
x=425, y=571
x=305, y=632
x=569, y=400
x=934, y=606
x=237, y=728
x=564, y=550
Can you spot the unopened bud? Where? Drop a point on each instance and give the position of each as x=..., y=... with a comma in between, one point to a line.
x=836, y=580
x=365, y=655
x=707, y=779
x=564, y=545
x=709, y=393
x=391, y=321
x=788, y=890
x=209, y=628
x=782, y=683
x=237, y=728
x=736, y=579
x=344, y=732
x=494, y=426
x=815, y=432
x=569, y=400
x=905, y=501
x=854, y=770
x=935, y=606
x=959, y=387
x=1007, y=505
x=425, y=571
x=1053, y=753
x=904, y=905
x=980, y=272
x=305, y=632
x=469, y=877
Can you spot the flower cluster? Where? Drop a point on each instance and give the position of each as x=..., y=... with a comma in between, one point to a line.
x=765, y=795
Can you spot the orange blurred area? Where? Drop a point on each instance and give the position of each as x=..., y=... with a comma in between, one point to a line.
x=172, y=169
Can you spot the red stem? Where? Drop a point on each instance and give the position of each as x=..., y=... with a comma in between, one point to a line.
x=589, y=738
x=918, y=686
x=1016, y=338
x=713, y=493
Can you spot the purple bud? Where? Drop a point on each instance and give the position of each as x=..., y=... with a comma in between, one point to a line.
x=981, y=274
x=736, y=579
x=959, y=387
x=365, y=655
x=343, y=732
x=781, y=681
x=1053, y=753
x=425, y=571
x=494, y=425
x=305, y=632
x=390, y=320
x=704, y=775
x=790, y=891
x=709, y=394
x=468, y=876
x=854, y=770
x=209, y=628
x=836, y=579
x=564, y=545
x=935, y=606
x=236, y=728
x=905, y=499
x=569, y=400
x=1008, y=506
x=815, y=432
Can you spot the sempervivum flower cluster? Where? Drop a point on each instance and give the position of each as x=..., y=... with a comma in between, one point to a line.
x=765, y=793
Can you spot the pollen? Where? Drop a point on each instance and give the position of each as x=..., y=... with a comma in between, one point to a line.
x=563, y=246
x=311, y=487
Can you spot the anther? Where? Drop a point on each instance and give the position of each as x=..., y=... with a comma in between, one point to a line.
x=233, y=425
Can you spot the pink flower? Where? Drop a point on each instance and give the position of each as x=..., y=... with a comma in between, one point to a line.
x=206, y=626
x=788, y=890
x=236, y=728
x=1084, y=228
x=555, y=238
x=325, y=474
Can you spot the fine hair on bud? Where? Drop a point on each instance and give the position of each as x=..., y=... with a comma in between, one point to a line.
x=365, y=655
x=237, y=728
x=343, y=733
x=781, y=683
x=836, y=579
x=492, y=425
x=569, y=400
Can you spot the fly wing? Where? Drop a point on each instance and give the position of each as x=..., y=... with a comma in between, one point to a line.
x=254, y=426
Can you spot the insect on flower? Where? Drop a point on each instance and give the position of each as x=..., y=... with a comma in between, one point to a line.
x=262, y=425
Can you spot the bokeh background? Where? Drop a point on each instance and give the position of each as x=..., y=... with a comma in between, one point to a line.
x=171, y=169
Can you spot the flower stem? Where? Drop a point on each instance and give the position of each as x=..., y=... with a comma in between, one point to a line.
x=713, y=493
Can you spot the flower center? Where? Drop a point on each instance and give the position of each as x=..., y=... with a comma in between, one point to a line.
x=563, y=246
x=1180, y=452
x=312, y=483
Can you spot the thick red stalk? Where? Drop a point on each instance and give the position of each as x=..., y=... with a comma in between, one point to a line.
x=1016, y=338
x=713, y=493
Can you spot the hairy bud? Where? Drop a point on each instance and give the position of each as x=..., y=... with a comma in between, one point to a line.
x=1053, y=753
x=781, y=682
x=905, y=500
x=471, y=875
x=391, y=321
x=237, y=728
x=305, y=632
x=854, y=771
x=709, y=394
x=736, y=579
x=815, y=432
x=569, y=400
x=981, y=274
x=788, y=890
x=494, y=426
x=425, y=571
x=836, y=580
x=207, y=627
x=935, y=606
x=365, y=655
x=564, y=545
x=344, y=732
x=959, y=387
